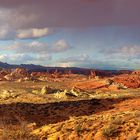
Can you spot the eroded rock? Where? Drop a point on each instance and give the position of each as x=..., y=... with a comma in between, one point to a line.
x=5, y=94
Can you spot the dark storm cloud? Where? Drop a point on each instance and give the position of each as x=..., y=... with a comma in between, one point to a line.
x=72, y=13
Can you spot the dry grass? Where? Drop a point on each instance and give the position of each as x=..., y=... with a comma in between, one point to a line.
x=110, y=131
x=12, y=132
x=116, y=118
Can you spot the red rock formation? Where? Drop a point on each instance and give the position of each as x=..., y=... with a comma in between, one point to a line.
x=19, y=73
x=137, y=72
x=3, y=73
x=130, y=81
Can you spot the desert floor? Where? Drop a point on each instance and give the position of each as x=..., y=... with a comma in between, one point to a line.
x=93, y=113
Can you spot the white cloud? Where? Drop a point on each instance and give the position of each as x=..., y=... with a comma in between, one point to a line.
x=35, y=52
x=61, y=45
x=12, y=22
x=40, y=47
x=21, y=58
x=10, y=34
x=3, y=57
x=44, y=57
x=131, y=51
x=125, y=52
x=15, y=58
x=63, y=64
x=33, y=33
x=75, y=61
x=82, y=58
x=33, y=47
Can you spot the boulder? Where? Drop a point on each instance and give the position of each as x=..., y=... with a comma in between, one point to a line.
x=61, y=95
x=67, y=93
x=74, y=92
x=47, y=90
x=44, y=90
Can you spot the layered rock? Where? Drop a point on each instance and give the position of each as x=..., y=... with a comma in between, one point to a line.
x=130, y=81
x=20, y=73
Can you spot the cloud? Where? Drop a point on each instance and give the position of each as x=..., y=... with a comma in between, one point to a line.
x=32, y=19
x=33, y=33
x=15, y=58
x=123, y=52
x=44, y=57
x=69, y=13
x=6, y=33
x=32, y=47
x=61, y=46
x=25, y=58
x=86, y=61
x=78, y=58
x=40, y=47
x=82, y=60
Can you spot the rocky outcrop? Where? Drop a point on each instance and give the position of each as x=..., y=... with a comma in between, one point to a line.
x=3, y=73
x=128, y=80
x=48, y=90
x=20, y=73
x=9, y=77
x=74, y=92
x=137, y=72
x=44, y=90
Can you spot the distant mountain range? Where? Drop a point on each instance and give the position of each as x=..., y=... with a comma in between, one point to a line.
x=27, y=66
x=39, y=68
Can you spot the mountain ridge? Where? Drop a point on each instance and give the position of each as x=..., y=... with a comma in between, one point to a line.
x=76, y=70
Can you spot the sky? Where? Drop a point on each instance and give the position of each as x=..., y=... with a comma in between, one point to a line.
x=100, y=34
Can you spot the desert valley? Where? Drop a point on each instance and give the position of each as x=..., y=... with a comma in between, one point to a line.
x=69, y=69
x=56, y=105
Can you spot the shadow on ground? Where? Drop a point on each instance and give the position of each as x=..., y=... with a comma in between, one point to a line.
x=49, y=113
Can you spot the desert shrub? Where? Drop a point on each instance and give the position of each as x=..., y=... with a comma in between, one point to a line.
x=19, y=134
x=78, y=129
x=110, y=131
x=117, y=121
x=10, y=132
